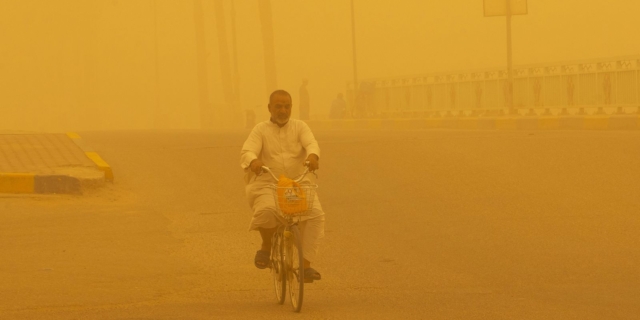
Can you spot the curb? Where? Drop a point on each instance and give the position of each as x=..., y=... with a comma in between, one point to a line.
x=57, y=183
x=91, y=154
x=35, y=183
x=17, y=182
x=508, y=123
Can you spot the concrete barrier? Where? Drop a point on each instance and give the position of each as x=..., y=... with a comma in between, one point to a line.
x=508, y=123
x=433, y=123
x=571, y=122
x=468, y=124
x=487, y=123
x=408, y=124
x=527, y=123
x=623, y=122
x=450, y=123
x=387, y=124
x=549, y=123
x=596, y=122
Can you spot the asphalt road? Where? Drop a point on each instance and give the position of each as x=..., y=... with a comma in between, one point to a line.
x=420, y=225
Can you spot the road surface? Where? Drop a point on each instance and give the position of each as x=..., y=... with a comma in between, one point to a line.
x=420, y=225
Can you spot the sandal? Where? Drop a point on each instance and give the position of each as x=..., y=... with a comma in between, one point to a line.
x=310, y=274
x=262, y=259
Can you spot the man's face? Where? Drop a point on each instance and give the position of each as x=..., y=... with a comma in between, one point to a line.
x=280, y=108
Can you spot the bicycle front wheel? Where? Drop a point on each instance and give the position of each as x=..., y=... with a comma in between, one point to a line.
x=277, y=266
x=295, y=268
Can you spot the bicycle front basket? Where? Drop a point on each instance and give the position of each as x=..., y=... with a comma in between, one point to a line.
x=294, y=200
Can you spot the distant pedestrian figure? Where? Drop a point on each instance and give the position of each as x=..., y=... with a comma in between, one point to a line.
x=304, y=100
x=338, y=107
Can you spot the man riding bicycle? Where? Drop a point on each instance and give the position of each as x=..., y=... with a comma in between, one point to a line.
x=284, y=145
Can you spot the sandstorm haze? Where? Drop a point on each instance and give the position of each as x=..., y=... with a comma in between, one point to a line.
x=78, y=65
x=455, y=191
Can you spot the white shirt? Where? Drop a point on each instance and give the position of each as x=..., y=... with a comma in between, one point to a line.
x=282, y=149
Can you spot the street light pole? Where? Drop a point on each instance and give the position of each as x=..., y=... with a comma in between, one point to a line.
x=223, y=49
x=159, y=116
x=509, y=62
x=355, y=65
x=206, y=115
x=236, y=77
x=266, y=21
x=507, y=8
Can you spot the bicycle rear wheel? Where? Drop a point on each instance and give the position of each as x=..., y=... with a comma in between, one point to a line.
x=295, y=268
x=277, y=266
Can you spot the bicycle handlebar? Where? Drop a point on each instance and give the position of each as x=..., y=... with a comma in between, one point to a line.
x=306, y=170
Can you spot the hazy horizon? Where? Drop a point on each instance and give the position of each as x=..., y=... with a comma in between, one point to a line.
x=78, y=65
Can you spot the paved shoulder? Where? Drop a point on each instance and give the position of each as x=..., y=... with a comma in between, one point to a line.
x=49, y=163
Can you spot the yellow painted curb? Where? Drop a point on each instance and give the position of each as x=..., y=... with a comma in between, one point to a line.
x=596, y=122
x=549, y=123
x=17, y=182
x=108, y=174
x=506, y=124
x=102, y=165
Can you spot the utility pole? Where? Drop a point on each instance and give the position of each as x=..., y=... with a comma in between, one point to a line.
x=269, y=47
x=206, y=116
x=355, y=64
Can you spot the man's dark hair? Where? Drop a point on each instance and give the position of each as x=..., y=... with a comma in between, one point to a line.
x=279, y=92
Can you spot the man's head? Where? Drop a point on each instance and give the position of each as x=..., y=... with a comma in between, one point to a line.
x=280, y=106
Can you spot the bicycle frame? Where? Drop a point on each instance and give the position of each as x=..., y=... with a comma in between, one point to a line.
x=287, y=272
x=286, y=251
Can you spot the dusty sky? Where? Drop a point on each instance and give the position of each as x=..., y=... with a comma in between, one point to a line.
x=74, y=64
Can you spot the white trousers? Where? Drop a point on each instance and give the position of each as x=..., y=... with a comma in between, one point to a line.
x=311, y=227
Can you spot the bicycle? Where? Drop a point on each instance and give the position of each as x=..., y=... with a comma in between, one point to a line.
x=287, y=259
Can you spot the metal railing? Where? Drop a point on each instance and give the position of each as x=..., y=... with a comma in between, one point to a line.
x=595, y=86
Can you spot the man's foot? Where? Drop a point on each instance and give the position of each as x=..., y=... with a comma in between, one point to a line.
x=262, y=259
x=310, y=275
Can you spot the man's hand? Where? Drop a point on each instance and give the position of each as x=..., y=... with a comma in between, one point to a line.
x=313, y=162
x=256, y=166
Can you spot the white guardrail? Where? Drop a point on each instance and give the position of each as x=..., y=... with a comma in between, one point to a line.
x=595, y=86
